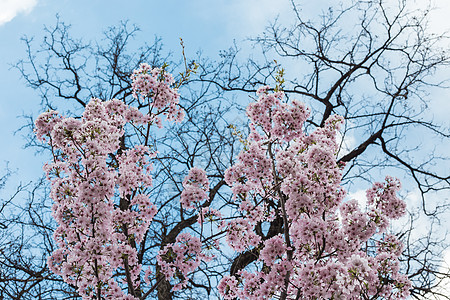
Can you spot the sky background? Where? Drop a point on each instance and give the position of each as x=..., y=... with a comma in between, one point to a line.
x=204, y=25
x=207, y=25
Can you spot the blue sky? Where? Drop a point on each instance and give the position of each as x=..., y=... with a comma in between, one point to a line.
x=203, y=24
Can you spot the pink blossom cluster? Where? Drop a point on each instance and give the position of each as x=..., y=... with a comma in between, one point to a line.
x=179, y=259
x=98, y=189
x=294, y=178
x=155, y=86
x=196, y=186
x=83, y=189
x=285, y=121
x=382, y=196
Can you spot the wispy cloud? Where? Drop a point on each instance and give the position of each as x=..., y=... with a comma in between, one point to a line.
x=444, y=286
x=9, y=9
x=241, y=19
x=256, y=13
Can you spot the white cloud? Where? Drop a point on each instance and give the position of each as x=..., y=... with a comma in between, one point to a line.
x=444, y=286
x=439, y=20
x=256, y=13
x=347, y=142
x=242, y=18
x=360, y=196
x=9, y=9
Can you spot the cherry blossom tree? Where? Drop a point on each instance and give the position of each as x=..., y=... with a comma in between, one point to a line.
x=212, y=227
x=326, y=248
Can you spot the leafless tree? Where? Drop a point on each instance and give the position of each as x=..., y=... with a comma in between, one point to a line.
x=375, y=72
